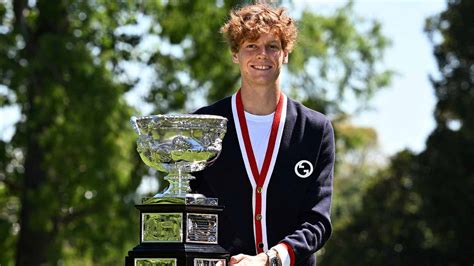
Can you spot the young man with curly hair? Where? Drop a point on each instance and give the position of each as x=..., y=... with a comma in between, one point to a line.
x=274, y=174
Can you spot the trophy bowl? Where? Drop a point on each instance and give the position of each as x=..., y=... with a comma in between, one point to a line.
x=179, y=145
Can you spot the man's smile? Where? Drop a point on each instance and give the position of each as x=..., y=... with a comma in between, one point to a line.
x=261, y=67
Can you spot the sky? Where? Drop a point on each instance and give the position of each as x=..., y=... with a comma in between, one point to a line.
x=402, y=114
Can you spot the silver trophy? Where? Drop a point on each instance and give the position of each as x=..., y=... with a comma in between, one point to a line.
x=176, y=223
x=179, y=145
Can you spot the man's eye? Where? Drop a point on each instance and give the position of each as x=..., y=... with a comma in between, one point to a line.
x=250, y=45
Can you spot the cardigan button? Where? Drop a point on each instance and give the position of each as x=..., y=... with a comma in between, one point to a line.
x=259, y=217
x=259, y=189
x=260, y=245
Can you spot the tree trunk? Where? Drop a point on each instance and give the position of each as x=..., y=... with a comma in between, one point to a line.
x=38, y=229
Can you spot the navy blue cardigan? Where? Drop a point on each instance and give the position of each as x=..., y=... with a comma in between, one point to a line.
x=297, y=206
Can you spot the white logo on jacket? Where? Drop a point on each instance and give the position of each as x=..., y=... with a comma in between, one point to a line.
x=303, y=169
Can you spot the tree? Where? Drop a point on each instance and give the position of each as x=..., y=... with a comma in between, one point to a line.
x=419, y=210
x=356, y=164
x=387, y=227
x=334, y=58
x=445, y=173
x=66, y=174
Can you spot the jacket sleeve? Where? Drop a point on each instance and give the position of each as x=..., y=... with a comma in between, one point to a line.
x=314, y=223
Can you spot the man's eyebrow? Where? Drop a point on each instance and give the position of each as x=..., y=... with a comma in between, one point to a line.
x=274, y=41
x=270, y=41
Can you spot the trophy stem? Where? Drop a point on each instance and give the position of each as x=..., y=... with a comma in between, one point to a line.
x=179, y=184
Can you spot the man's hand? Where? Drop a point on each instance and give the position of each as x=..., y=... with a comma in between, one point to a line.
x=243, y=260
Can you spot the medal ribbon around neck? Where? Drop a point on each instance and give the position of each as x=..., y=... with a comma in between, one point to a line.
x=259, y=176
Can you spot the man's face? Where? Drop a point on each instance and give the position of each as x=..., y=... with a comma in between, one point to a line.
x=260, y=61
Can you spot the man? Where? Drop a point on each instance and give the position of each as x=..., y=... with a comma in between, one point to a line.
x=274, y=174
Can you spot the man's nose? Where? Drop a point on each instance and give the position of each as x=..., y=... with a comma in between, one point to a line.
x=262, y=52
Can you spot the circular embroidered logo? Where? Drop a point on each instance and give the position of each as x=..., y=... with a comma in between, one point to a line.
x=303, y=169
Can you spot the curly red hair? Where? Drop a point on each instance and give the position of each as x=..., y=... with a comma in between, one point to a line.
x=249, y=22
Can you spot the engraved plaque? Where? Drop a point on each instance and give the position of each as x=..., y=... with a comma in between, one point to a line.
x=209, y=262
x=202, y=228
x=155, y=262
x=162, y=227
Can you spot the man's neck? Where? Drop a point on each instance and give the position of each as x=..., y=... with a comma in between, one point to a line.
x=260, y=101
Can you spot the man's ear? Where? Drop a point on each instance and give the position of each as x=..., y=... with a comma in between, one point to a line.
x=285, y=57
x=235, y=58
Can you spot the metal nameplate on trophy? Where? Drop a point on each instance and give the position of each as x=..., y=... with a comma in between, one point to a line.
x=208, y=262
x=162, y=227
x=202, y=228
x=177, y=227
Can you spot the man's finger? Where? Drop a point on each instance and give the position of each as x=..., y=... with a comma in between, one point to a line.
x=237, y=258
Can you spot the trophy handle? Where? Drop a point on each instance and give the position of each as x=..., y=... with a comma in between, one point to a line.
x=133, y=121
x=211, y=162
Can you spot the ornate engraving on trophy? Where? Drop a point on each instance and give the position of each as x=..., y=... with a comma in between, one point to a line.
x=202, y=228
x=162, y=227
x=155, y=262
x=179, y=145
x=208, y=262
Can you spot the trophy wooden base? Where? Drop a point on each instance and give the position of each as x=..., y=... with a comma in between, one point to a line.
x=178, y=235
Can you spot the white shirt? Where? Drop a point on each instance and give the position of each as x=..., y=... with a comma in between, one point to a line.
x=259, y=127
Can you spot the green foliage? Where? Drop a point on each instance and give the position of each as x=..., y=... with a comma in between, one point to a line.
x=191, y=27
x=356, y=150
x=387, y=226
x=340, y=55
x=67, y=173
x=419, y=210
x=445, y=173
